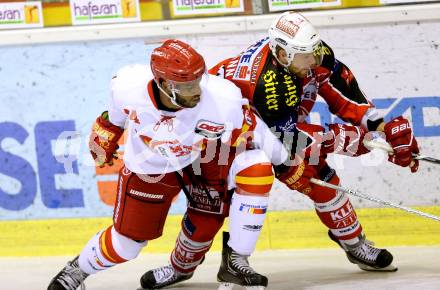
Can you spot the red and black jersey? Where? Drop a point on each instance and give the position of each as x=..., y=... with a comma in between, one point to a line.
x=283, y=99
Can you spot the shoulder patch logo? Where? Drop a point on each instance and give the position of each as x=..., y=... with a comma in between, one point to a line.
x=210, y=130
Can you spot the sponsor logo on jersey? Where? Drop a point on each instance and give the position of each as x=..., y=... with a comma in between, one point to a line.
x=326, y=50
x=241, y=72
x=255, y=67
x=279, y=87
x=168, y=148
x=310, y=90
x=210, y=130
x=180, y=150
x=270, y=82
x=247, y=59
x=291, y=95
x=230, y=68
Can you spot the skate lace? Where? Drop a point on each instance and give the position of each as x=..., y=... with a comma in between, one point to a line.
x=72, y=277
x=240, y=263
x=366, y=252
x=164, y=274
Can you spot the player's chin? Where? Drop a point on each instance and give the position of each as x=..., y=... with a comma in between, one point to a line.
x=303, y=73
x=192, y=103
x=195, y=100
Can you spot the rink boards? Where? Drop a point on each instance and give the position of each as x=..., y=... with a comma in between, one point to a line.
x=282, y=230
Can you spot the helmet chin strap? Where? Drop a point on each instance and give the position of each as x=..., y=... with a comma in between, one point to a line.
x=172, y=98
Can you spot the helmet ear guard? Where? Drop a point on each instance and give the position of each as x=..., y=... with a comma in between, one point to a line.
x=295, y=34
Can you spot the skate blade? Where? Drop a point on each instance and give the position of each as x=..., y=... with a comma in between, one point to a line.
x=229, y=286
x=226, y=286
x=389, y=268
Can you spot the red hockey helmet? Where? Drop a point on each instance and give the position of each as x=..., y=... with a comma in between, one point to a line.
x=176, y=61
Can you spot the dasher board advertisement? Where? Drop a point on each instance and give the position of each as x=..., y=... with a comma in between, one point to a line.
x=194, y=7
x=281, y=5
x=104, y=11
x=21, y=15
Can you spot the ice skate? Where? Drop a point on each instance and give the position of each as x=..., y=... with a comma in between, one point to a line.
x=235, y=270
x=69, y=278
x=162, y=277
x=366, y=256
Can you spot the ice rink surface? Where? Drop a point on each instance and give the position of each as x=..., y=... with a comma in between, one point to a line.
x=323, y=269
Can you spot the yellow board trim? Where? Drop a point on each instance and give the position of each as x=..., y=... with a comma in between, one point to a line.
x=282, y=230
x=254, y=180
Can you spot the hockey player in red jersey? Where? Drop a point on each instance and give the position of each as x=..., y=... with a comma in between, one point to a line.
x=282, y=75
x=186, y=130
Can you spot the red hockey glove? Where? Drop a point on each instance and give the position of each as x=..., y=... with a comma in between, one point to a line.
x=296, y=177
x=399, y=134
x=345, y=140
x=103, y=140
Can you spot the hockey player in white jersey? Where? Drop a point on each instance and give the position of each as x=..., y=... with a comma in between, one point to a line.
x=185, y=131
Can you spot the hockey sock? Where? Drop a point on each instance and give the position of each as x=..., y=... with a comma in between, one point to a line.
x=106, y=249
x=188, y=254
x=339, y=216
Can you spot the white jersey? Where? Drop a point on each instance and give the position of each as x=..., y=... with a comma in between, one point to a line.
x=162, y=141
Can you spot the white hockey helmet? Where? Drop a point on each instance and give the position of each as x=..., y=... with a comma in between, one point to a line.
x=295, y=34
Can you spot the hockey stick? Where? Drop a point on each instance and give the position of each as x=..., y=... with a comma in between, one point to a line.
x=386, y=147
x=374, y=199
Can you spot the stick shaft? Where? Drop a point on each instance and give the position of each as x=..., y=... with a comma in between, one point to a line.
x=387, y=148
x=374, y=199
